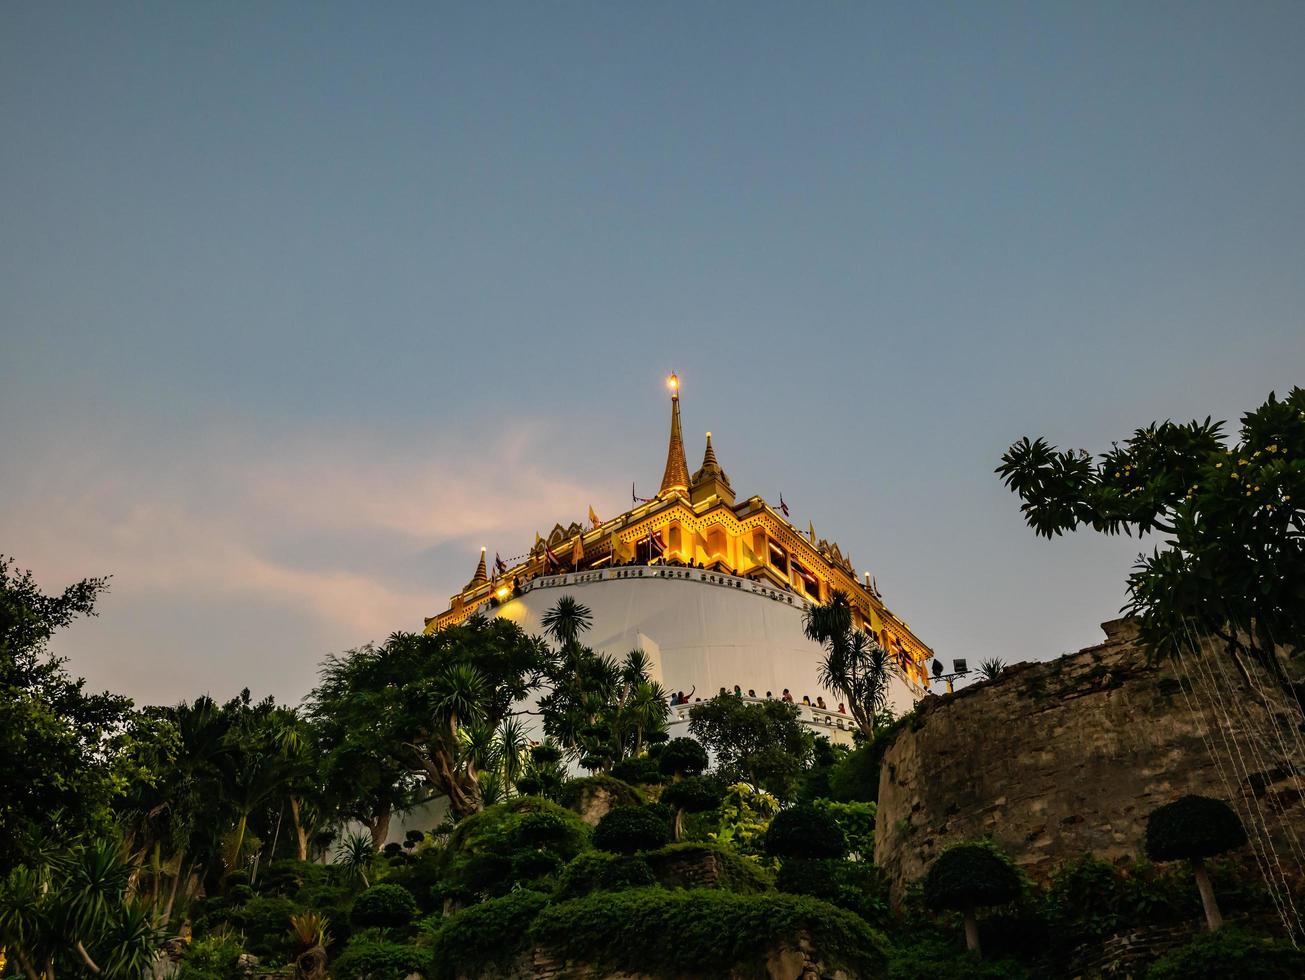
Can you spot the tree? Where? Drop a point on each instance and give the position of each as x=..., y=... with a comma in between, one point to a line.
x=57, y=742
x=71, y=912
x=600, y=711
x=1232, y=564
x=969, y=876
x=855, y=665
x=627, y=829
x=432, y=702
x=991, y=669
x=762, y=742
x=1195, y=828
x=805, y=831
x=682, y=757
x=692, y=794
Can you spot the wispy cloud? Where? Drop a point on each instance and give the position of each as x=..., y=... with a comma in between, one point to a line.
x=361, y=533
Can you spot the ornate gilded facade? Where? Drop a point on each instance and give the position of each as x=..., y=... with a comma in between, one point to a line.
x=696, y=522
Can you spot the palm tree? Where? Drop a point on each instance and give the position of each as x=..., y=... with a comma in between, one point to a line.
x=991, y=669
x=564, y=623
x=855, y=665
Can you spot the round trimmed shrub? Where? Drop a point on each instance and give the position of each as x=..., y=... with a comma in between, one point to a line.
x=1193, y=827
x=682, y=757
x=543, y=829
x=970, y=876
x=694, y=794
x=371, y=958
x=528, y=864
x=385, y=906
x=805, y=831
x=641, y=771
x=627, y=829
x=597, y=871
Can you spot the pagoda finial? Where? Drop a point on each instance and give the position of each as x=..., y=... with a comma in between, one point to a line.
x=481, y=576
x=676, y=476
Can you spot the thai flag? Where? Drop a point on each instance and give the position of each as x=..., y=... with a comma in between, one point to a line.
x=783, y=506
x=500, y=566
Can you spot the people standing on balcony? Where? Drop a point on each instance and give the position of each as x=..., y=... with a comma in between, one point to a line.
x=806, y=699
x=786, y=697
x=820, y=703
x=751, y=693
x=738, y=691
x=841, y=710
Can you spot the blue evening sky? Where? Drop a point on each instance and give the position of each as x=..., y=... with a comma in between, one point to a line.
x=300, y=304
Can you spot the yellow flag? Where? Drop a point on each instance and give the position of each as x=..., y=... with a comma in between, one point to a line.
x=578, y=552
x=593, y=517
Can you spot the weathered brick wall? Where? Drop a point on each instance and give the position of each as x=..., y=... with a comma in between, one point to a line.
x=1059, y=758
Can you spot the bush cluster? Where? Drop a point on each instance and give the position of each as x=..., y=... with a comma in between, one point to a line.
x=627, y=829
x=701, y=932
x=384, y=906
x=486, y=935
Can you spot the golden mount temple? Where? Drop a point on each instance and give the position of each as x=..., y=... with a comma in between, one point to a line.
x=712, y=588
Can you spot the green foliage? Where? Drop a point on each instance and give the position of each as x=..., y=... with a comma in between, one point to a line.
x=626, y=829
x=694, y=794
x=857, y=821
x=970, y=875
x=805, y=831
x=478, y=858
x=1232, y=515
x=639, y=771
x=76, y=894
x=1087, y=900
x=1193, y=827
x=701, y=932
x=371, y=956
x=431, y=703
x=745, y=814
x=1229, y=952
x=682, y=757
x=574, y=792
x=599, y=871
x=855, y=667
x=485, y=936
x=936, y=959
x=759, y=742
x=211, y=957
x=737, y=873
x=385, y=906
x=265, y=920
x=53, y=735
x=859, y=888
x=855, y=779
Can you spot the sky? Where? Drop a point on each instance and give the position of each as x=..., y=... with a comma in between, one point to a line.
x=302, y=304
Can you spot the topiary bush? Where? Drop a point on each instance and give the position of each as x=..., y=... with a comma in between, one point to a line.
x=1195, y=828
x=805, y=831
x=702, y=932
x=857, y=887
x=369, y=956
x=640, y=771
x=693, y=794
x=478, y=859
x=265, y=921
x=737, y=873
x=599, y=871
x=575, y=793
x=211, y=958
x=384, y=906
x=485, y=936
x=529, y=865
x=1230, y=953
x=970, y=876
x=682, y=757
x=935, y=959
x=627, y=829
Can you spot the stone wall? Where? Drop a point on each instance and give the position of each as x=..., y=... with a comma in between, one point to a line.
x=1059, y=758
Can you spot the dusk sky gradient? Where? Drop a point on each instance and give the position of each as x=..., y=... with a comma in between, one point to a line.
x=301, y=304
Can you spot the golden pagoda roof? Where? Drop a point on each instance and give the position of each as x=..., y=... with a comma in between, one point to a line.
x=676, y=476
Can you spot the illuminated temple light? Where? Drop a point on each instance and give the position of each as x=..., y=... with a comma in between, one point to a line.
x=696, y=526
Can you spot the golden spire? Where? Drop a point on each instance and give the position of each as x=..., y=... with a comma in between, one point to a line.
x=709, y=457
x=481, y=576
x=676, y=476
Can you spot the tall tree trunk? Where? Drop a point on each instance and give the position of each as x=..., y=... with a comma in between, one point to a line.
x=679, y=822
x=172, y=892
x=379, y=825
x=1212, y=917
x=301, y=832
x=972, y=931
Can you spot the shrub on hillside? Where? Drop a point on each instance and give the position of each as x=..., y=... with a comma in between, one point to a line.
x=857, y=887
x=966, y=877
x=805, y=831
x=1227, y=953
x=478, y=859
x=682, y=757
x=370, y=956
x=384, y=906
x=265, y=921
x=936, y=959
x=599, y=871
x=211, y=958
x=485, y=936
x=702, y=932
x=627, y=829
x=640, y=771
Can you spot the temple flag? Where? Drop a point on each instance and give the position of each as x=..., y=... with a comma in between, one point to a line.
x=749, y=555
x=783, y=506
x=500, y=566
x=593, y=518
x=550, y=555
x=578, y=552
